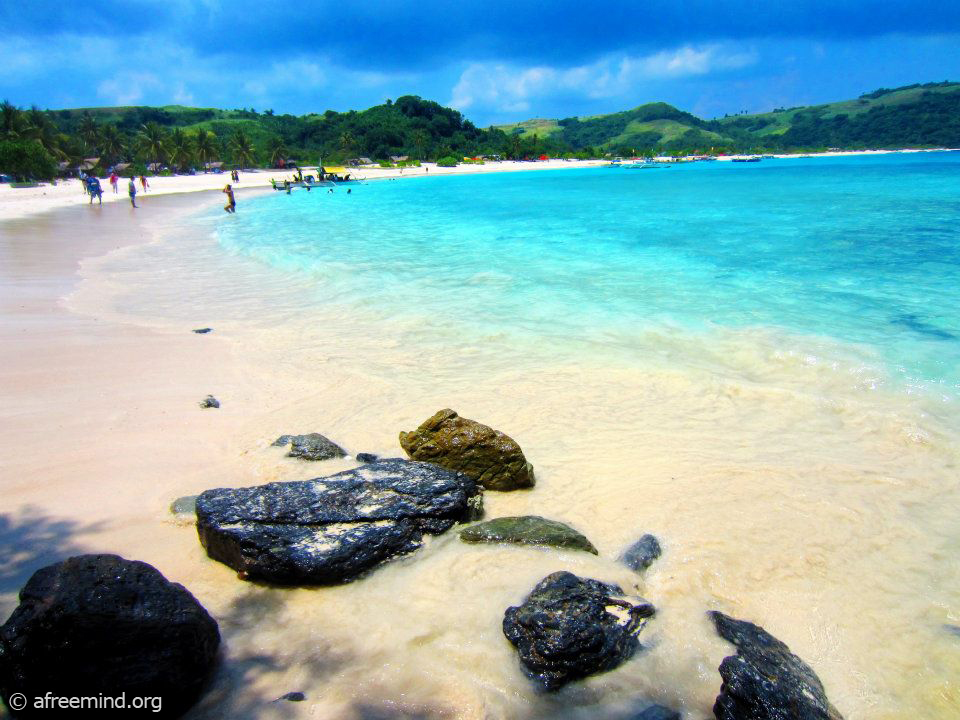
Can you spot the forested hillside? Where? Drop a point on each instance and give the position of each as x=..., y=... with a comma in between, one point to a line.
x=39, y=143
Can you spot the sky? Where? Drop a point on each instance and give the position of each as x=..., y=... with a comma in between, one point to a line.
x=497, y=61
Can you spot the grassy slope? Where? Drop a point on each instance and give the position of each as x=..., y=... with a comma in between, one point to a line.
x=783, y=120
x=779, y=122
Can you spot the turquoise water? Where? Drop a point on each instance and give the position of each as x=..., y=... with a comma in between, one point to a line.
x=856, y=257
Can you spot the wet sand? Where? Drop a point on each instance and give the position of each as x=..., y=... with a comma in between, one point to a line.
x=784, y=499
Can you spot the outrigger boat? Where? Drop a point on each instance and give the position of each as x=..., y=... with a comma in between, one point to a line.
x=326, y=177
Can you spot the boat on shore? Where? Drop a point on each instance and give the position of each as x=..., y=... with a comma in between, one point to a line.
x=750, y=158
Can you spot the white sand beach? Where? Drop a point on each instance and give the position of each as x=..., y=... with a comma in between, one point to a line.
x=20, y=202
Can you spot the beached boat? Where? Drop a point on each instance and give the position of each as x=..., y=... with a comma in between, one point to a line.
x=752, y=158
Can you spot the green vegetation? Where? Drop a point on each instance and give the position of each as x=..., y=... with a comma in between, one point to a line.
x=925, y=115
x=26, y=159
x=447, y=161
x=34, y=141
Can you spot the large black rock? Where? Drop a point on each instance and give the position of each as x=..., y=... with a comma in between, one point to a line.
x=99, y=624
x=333, y=529
x=563, y=631
x=764, y=680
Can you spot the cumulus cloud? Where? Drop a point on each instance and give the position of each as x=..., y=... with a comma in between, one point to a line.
x=508, y=88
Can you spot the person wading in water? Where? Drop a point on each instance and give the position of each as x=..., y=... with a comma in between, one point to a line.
x=231, y=206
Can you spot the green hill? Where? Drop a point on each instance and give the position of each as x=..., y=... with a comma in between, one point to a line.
x=915, y=115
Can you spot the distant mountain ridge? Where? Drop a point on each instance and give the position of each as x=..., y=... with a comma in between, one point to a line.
x=920, y=115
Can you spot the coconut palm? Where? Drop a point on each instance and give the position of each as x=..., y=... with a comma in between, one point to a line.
x=206, y=146
x=89, y=131
x=181, y=149
x=347, y=141
x=242, y=149
x=36, y=125
x=420, y=138
x=278, y=151
x=111, y=144
x=153, y=142
x=12, y=120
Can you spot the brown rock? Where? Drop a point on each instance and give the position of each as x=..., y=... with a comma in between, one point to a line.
x=489, y=457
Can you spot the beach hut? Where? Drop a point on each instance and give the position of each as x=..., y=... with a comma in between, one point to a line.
x=213, y=166
x=89, y=163
x=399, y=158
x=155, y=167
x=120, y=168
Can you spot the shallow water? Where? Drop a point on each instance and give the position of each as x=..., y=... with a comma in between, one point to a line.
x=758, y=363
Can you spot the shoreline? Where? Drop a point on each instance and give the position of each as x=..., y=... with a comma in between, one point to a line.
x=24, y=202
x=18, y=203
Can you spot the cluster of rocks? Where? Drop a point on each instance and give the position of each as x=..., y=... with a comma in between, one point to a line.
x=99, y=623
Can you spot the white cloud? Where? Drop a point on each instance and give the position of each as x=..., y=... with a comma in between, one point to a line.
x=508, y=88
x=127, y=88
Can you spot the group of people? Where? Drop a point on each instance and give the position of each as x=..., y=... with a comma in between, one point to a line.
x=91, y=185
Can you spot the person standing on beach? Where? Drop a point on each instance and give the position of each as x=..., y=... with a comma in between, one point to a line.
x=143, y=181
x=114, y=181
x=231, y=206
x=132, y=189
x=93, y=187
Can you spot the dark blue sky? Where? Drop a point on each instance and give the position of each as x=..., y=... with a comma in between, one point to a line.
x=495, y=60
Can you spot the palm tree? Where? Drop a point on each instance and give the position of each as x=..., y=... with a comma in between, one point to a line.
x=153, y=142
x=420, y=139
x=111, y=144
x=206, y=146
x=181, y=149
x=242, y=149
x=89, y=131
x=36, y=125
x=11, y=120
x=347, y=141
x=515, y=146
x=278, y=151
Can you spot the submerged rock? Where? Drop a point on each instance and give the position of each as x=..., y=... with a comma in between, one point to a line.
x=563, y=631
x=209, y=402
x=312, y=446
x=97, y=624
x=656, y=712
x=764, y=680
x=186, y=505
x=292, y=697
x=488, y=456
x=527, y=530
x=642, y=553
x=367, y=457
x=333, y=529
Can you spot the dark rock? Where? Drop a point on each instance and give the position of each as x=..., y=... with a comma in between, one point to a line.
x=488, y=456
x=764, y=680
x=333, y=529
x=210, y=402
x=203, y=331
x=563, y=630
x=952, y=629
x=366, y=457
x=97, y=624
x=656, y=712
x=527, y=530
x=186, y=505
x=292, y=697
x=312, y=446
x=642, y=553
